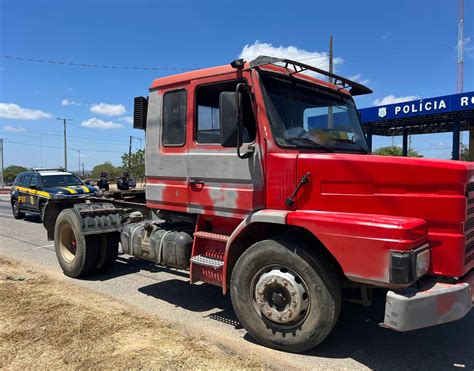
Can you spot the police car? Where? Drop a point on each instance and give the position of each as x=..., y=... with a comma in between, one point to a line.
x=32, y=189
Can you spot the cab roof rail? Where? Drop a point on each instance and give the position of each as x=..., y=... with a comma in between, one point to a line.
x=298, y=67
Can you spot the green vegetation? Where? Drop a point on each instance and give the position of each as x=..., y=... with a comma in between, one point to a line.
x=111, y=170
x=395, y=151
x=137, y=164
x=10, y=173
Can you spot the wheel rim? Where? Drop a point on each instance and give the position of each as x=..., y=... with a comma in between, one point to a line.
x=16, y=208
x=280, y=296
x=67, y=244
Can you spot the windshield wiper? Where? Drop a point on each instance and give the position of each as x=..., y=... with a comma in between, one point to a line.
x=308, y=143
x=340, y=140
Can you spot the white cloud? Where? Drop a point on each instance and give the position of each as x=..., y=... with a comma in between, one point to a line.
x=68, y=102
x=108, y=109
x=127, y=119
x=315, y=59
x=358, y=78
x=468, y=47
x=13, y=129
x=391, y=99
x=100, y=124
x=83, y=155
x=14, y=111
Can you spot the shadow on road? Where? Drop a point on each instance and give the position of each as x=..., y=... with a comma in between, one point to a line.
x=198, y=298
x=129, y=265
x=357, y=334
x=32, y=218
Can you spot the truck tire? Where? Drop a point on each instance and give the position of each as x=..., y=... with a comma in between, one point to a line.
x=284, y=297
x=108, y=251
x=77, y=254
x=17, y=214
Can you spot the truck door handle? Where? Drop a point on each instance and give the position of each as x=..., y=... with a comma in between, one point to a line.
x=196, y=183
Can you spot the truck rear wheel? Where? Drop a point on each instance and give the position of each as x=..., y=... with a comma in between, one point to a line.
x=77, y=254
x=284, y=297
x=108, y=251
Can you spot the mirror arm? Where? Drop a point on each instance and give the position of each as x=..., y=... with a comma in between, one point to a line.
x=250, y=151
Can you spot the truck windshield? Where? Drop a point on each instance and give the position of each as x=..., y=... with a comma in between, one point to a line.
x=303, y=115
x=61, y=180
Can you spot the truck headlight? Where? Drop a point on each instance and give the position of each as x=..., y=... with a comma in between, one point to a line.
x=422, y=263
x=408, y=266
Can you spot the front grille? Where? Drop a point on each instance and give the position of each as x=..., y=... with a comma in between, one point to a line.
x=469, y=225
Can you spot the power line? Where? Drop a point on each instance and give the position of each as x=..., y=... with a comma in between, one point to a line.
x=54, y=147
x=89, y=65
x=97, y=131
x=92, y=65
x=77, y=138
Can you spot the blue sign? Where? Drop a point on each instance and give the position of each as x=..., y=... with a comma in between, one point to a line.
x=421, y=107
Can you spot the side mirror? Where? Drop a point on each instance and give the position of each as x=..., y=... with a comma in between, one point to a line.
x=228, y=118
x=87, y=182
x=140, y=108
x=33, y=186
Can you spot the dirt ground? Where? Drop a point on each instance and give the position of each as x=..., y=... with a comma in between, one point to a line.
x=50, y=324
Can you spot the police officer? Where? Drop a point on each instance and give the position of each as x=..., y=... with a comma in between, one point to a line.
x=103, y=182
x=122, y=182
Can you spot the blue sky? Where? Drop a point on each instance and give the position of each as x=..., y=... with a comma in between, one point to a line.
x=399, y=48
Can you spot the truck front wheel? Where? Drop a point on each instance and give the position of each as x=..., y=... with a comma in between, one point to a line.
x=77, y=254
x=284, y=297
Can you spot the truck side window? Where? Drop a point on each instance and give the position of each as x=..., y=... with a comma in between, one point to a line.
x=208, y=130
x=174, y=118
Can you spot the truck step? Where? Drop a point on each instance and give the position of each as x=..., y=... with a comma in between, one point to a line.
x=211, y=236
x=206, y=261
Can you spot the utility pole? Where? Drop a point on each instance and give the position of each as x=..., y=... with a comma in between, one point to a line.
x=64, y=120
x=130, y=155
x=2, y=184
x=83, y=170
x=460, y=50
x=331, y=68
x=78, y=160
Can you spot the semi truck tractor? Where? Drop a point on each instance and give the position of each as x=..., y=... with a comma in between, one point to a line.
x=260, y=180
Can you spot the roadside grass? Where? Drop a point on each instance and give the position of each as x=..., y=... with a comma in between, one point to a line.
x=48, y=324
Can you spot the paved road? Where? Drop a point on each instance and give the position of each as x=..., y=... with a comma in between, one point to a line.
x=356, y=342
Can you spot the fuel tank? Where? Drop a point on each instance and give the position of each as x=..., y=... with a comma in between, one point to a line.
x=168, y=244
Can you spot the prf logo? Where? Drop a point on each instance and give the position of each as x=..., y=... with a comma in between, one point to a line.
x=382, y=112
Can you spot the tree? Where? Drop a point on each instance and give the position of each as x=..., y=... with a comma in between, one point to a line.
x=10, y=173
x=106, y=167
x=395, y=151
x=465, y=153
x=137, y=164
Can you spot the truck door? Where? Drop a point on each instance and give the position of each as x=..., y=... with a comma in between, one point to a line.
x=166, y=150
x=220, y=183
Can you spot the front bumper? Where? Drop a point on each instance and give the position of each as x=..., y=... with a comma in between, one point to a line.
x=430, y=304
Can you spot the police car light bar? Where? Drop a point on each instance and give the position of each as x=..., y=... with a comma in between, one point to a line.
x=45, y=169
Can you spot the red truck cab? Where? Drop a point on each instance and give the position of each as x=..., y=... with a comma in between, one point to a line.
x=269, y=166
